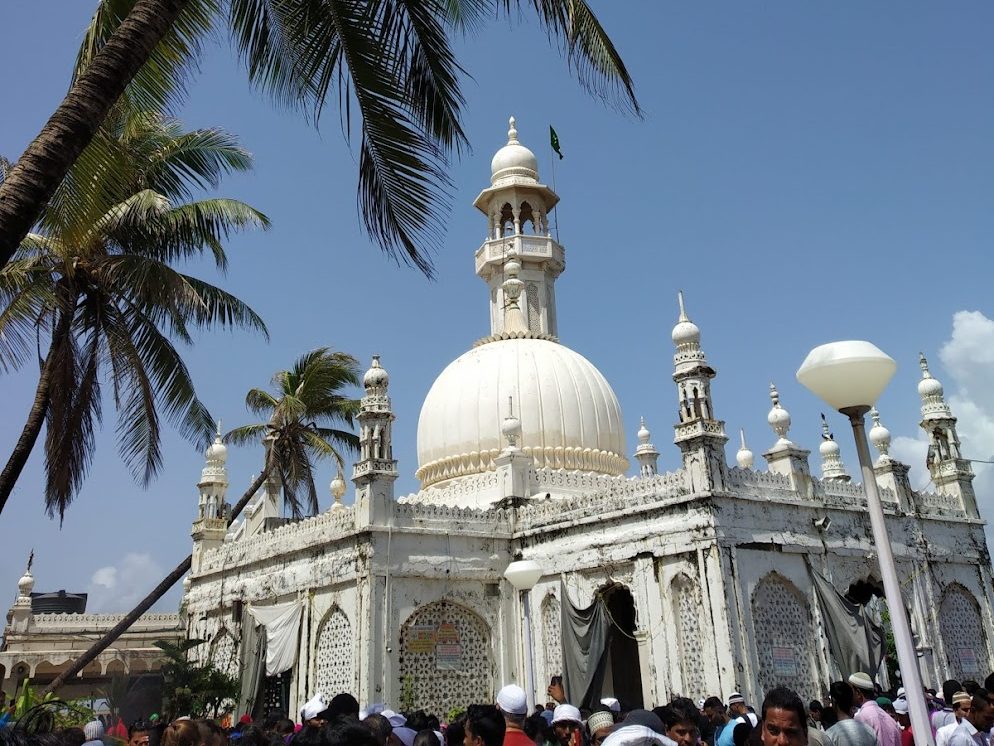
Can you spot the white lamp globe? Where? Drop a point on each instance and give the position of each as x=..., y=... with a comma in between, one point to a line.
x=523, y=574
x=847, y=374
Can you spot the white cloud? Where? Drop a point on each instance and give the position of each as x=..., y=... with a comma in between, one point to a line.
x=117, y=588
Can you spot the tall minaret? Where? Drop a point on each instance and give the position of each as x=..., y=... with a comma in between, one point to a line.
x=700, y=436
x=376, y=470
x=951, y=473
x=517, y=207
x=212, y=510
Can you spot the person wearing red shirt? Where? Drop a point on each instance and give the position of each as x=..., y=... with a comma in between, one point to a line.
x=513, y=705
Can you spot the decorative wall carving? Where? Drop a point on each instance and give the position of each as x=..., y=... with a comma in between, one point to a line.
x=224, y=654
x=445, y=658
x=335, y=655
x=784, y=637
x=552, y=636
x=685, y=595
x=963, y=634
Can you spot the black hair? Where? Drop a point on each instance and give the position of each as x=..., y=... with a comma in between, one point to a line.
x=841, y=694
x=782, y=698
x=980, y=700
x=949, y=688
x=989, y=683
x=741, y=732
x=139, y=726
x=969, y=686
x=486, y=722
x=537, y=726
x=309, y=735
x=426, y=737
x=380, y=727
x=715, y=703
x=676, y=712
x=815, y=706
x=253, y=735
x=418, y=721
x=74, y=736
x=349, y=733
x=456, y=731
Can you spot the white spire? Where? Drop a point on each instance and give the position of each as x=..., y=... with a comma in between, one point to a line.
x=930, y=390
x=831, y=458
x=337, y=489
x=779, y=419
x=645, y=452
x=685, y=335
x=511, y=426
x=743, y=457
x=880, y=437
x=26, y=584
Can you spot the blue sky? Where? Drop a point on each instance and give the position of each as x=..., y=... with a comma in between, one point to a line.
x=804, y=172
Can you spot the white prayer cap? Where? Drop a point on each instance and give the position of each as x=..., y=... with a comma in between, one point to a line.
x=636, y=735
x=374, y=709
x=900, y=692
x=511, y=699
x=600, y=719
x=93, y=730
x=612, y=704
x=566, y=713
x=901, y=706
x=313, y=707
x=861, y=681
x=396, y=719
x=406, y=735
x=735, y=699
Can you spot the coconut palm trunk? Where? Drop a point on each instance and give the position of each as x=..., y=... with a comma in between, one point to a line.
x=36, y=417
x=146, y=603
x=33, y=180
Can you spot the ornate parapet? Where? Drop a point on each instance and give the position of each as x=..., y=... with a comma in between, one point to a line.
x=292, y=537
x=99, y=622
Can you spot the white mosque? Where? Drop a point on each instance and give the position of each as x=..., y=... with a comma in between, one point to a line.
x=702, y=579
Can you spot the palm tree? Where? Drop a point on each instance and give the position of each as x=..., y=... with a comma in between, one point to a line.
x=389, y=59
x=300, y=428
x=94, y=284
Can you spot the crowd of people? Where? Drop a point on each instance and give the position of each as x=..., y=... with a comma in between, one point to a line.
x=855, y=713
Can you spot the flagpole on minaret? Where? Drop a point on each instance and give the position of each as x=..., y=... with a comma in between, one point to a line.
x=552, y=157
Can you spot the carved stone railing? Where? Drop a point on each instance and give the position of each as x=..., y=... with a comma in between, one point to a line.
x=933, y=503
x=465, y=487
x=766, y=484
x=329, y=525
x=610, y=494
x=426, y=515
x=55, y=622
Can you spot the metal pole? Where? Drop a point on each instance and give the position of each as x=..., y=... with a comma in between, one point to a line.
x=907, y=658
x=529, y=671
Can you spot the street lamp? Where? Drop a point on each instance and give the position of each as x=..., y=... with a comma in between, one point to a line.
x=523, y=575
x=850, y=376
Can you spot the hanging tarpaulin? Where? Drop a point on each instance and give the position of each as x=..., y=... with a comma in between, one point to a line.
x=854, y=641
x=282, y=623
x=586, y=635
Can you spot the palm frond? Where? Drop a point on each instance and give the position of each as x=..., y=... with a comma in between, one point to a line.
x=194, y=161
x=246, y=435
x=160, y=84
x=27, y=297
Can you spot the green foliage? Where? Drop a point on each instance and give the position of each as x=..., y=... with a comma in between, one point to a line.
x=96, y=285
x=389, y=69
x=192, y=689
x=407, y=703
x=302, y=419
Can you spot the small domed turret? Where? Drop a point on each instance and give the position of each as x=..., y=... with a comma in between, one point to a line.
x=928, y=386
x=744, y=457
x=217, y=451
x=26, y=584
x=686, y=331
x=514, y=159
x=376, y=377
x=778, y=418
x=880, y=436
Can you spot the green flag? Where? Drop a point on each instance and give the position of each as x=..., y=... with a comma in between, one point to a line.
x=554, y=141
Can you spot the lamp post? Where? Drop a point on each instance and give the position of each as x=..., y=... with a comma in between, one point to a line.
x=850, y=376
x=523, y=575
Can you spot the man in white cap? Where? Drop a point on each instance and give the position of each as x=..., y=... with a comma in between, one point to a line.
x=740, y=711
x=974, y=730
x=312, y=709
x=962, y=704
x=870, y=713
x=612, y=704
x=566, y=725
x=599, y=724
x=513, y=705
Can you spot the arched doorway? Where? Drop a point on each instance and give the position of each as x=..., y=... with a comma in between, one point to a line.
x=623, y=674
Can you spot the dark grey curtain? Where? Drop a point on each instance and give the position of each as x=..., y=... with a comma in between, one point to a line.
x=253, y=665
x=854, y=642
x=586, y=637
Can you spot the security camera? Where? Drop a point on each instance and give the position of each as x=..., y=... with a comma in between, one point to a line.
x=822, y=524
x=389, y=649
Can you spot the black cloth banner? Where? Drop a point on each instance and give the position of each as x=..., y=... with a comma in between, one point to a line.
x=586, y=635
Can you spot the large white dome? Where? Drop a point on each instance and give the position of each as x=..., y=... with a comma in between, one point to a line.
x=570, y=417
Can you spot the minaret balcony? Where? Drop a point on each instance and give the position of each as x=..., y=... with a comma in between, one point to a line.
x=699, y=428
x=492, y=255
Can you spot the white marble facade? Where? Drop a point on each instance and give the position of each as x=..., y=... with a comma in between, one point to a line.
x=522, y=455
